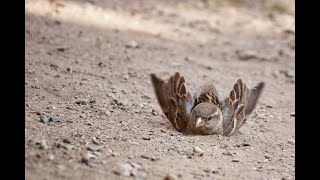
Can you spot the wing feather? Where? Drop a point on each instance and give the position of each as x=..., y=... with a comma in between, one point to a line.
x=174, y=100
x=239, y=105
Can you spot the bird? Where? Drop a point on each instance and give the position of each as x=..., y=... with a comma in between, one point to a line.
x=205, y=112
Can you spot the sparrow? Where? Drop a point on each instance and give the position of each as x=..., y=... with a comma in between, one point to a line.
x=205, y=113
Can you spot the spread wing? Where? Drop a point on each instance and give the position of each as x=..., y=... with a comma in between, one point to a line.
x=176, y=103
x=254, y=95
x=239, y=105
x=207, y=93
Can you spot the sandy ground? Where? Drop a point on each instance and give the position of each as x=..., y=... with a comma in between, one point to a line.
x=87, y=73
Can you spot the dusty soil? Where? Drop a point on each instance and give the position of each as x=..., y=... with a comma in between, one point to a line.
x=88, y=66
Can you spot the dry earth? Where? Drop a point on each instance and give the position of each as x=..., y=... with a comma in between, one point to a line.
x=87, y=70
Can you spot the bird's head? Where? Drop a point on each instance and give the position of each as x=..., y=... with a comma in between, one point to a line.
x=206, y=118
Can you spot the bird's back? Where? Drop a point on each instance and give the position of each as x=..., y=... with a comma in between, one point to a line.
x=207, y=93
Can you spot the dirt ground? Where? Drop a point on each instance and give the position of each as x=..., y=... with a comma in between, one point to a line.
x=87, y=73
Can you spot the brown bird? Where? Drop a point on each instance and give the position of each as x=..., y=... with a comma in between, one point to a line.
x=205, y=113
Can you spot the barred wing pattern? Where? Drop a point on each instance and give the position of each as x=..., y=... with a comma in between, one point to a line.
x=175, y=102
x=239, y=105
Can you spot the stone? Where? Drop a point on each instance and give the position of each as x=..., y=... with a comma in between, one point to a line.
x=44, y=119
x=197, y=151
x=146, y=138
x=43, y=145
x=246, y=55
x=124, y=169
x=235, y=160
x=132, y=44
x=94, y=147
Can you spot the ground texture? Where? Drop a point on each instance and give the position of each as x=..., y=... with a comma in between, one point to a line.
x=87, y=74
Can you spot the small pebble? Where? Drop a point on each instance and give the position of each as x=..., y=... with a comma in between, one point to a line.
x=235, y=160
x=62, y=49
x=146, y=138
x=267, y=156
x=94, y=147
x=134, y=143
x=215, y=171
x=154, y=112
x=91, y=163
x=124, y=169
x=111, y=96
x=150, y=157
x=43, y=145
x=35, y=86
x=44, y=119
x=138, y=174
x=81, y=102
x=287, y=73
x=224, y=146
x=286, y=174
x=54, y=119
x=123, y=104
x=65, y=146
x=114, y=154
x=292, y=141
x=51, y=157
x=100, y=64
x=87, y=157
x=227, y=153
x=146, y=97
x=132, y=44
x=135, y=165
x=246, y=55
x=197, y=151
x=67, y=141
x=163, y=131
x=94, y=140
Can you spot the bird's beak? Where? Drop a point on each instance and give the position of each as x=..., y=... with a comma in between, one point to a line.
x=199, y=122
